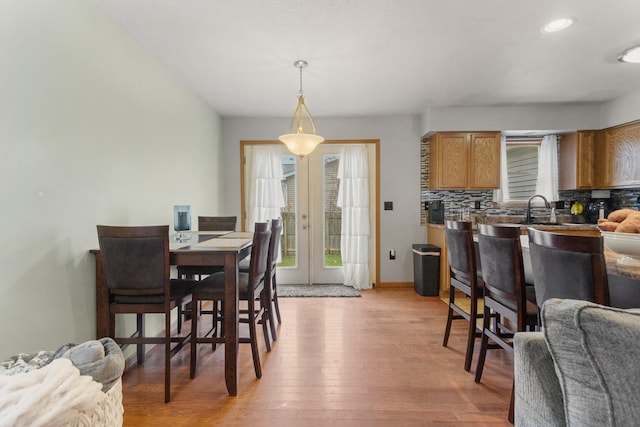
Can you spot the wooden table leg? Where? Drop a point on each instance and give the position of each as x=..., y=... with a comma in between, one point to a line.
x=231, y=340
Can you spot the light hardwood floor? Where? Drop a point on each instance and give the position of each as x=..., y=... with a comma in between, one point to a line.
x=377, y=360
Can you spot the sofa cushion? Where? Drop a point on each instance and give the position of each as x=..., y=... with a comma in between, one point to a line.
x=596, y=353
x=538, y=398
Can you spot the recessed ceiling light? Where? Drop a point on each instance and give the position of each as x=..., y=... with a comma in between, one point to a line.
x=631, y=55
x=558, y=25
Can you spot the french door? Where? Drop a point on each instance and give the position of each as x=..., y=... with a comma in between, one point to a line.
x=310, y=244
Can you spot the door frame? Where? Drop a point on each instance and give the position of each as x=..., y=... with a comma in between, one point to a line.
x=376, y=208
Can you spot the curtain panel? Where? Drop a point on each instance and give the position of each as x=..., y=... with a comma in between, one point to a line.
x=353, y=198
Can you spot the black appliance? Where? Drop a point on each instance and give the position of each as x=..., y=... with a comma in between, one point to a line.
x=436, y=212
x=592, y=211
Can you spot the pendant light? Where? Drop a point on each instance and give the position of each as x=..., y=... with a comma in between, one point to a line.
x=302, y=139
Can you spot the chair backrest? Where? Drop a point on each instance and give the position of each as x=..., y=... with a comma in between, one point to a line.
x=568, y=266
x=274, y=243
x=135, y=259
x=259, y=253
x=502, y=265
x=461, y=252
x=217, y=223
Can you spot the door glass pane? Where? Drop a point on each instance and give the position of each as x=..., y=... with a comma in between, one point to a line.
x=289, y=241
x=332, y=214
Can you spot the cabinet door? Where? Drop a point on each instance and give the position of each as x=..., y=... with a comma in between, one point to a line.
x=484, y=161
x=577, y=160
x=622, y=156
x=585, y=157
x=453, y=160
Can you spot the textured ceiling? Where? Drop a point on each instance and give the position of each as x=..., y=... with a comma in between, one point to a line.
x=377, y=57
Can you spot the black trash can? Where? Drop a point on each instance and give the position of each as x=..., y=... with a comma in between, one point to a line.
x=426, y=269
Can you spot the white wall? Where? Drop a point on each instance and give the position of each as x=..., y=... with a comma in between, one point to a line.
x=534, y=117
x=399, y=175
x=92, y=131
x=621, y=110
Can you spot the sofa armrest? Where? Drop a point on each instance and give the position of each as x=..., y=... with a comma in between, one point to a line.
x=538, y=396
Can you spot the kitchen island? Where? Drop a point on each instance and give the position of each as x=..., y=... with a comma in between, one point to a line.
x=624, y=281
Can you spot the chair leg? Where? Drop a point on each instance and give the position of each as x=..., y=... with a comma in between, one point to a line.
x=484, y=344
x=272, y=322
x=447, y=329
x=214, y=319
x=266, y=318
x=180, y=313
x=268, y=307
x=252, y=338
x=512, y=404
x=274, y=295
x=167, y=357
x=195, y=333
x=140, y=332
x=471, y=338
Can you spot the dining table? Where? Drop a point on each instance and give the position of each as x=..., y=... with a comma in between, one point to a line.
x=193, y=248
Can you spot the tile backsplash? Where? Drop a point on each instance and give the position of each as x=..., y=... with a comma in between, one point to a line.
x=467, y=200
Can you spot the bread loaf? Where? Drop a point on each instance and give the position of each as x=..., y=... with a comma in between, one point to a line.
x=620, y=214
x=631, y=223
x=608, y=225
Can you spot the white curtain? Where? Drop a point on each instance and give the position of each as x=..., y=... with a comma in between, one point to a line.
x=265, y=193
x=501, y=195
x=547, y=181
x=353, y=198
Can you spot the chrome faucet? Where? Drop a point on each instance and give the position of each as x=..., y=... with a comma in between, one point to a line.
x=546, y=204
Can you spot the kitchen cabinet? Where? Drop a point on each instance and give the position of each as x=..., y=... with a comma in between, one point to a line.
x=621, y=156
x=464, y=161
x=435, y=236
x=577, y=160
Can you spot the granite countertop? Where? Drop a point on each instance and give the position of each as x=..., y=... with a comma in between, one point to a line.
x=544, y=227
x=620, y=270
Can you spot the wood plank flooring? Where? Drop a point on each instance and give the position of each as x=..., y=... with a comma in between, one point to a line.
x=377, y=360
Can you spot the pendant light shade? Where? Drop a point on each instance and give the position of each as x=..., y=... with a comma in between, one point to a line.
x=302, y=139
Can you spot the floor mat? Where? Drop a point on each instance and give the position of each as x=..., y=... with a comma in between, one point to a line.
x=321, y=291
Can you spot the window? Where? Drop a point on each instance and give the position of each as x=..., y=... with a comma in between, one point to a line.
x=522, y=165
x=528, y=166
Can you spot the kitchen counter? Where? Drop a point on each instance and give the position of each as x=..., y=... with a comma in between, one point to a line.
x=544, y=227
x=624, y=281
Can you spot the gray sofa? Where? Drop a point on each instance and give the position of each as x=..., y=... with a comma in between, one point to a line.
x=583, y=369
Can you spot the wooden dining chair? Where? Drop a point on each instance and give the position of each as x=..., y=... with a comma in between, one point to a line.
x=250, y=286
x=465, y=278
x=506, y=308
x=568, y=266
x=205, y=223
x=136, y=272
x=208, y=223
x=217, y=223
x=270, y=278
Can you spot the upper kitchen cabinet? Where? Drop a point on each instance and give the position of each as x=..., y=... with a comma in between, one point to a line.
x=577, y=160
x=464, y=161
x=621, y=157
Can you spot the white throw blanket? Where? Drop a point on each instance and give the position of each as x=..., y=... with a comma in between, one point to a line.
x=53, y=395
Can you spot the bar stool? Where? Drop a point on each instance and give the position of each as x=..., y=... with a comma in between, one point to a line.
x=506, y=308
x=568, y=266
x=465, y=277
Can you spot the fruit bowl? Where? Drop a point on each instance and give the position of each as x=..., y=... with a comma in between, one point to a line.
x=626, y=244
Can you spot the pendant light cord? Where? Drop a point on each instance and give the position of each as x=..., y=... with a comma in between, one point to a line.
x=301, y=93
